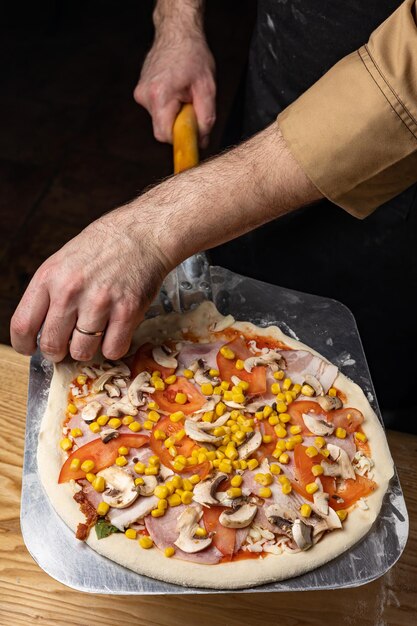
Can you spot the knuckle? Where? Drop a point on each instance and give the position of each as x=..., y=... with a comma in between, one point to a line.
x=49, y=347
x=81, y=354
x=20, y=326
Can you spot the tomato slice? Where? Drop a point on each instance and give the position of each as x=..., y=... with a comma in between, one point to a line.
x=350, y=490
x=349, y=419
x=166, y=398
x=143, y=361
x=185, y=446
x=296, y=410
x=103, y=454
x=223, y=538
x=227, y=369
x=266, y=449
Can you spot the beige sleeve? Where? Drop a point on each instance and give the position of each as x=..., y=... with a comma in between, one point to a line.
x=354, y=132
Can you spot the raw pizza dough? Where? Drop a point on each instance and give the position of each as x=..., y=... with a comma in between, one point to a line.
x=229, y=575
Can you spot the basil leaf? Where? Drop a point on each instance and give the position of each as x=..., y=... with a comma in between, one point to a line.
x=104, y=529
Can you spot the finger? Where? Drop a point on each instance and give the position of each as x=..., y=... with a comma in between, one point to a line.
x=92, y=317
x=29, y=316
x=56, y=332
x=204, y=102
x=119, y=332
x=163, y=118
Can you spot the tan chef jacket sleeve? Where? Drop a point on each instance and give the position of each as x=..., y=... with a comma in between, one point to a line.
x=354, y=132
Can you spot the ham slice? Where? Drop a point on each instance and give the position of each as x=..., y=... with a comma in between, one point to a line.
x=346, y=444
x=163, y=532
x=193, y=351
x=122, y=518
x=300, y=362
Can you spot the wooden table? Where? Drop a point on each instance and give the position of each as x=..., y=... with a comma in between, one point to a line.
x=28, y=595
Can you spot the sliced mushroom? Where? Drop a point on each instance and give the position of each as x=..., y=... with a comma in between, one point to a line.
x=233, y=405
x=280, y=525
x=222, y=324
x=89, y=372
x=121, y=408
x=121, y=490
x=282, y=516
x=113, y=391
x=341, y=467
x=148, y=487
x=331, y=521
x=202, y=376
x=91, y=411
x=210, y=405
x=316, y=425
x=107, y=434
x=256, y=405
x=187, y=524
x=193, y=430
x=120, y=369
x=220, y=421
x=315, y=384
x=321, y=499
x=165, y=472
x=302, y=534
x=330, y=403
x=273, y=358
x=230, y=503
x=239, y=518
x=138, y=510
x=250, y=445
x=138, y=387
x=164, y=356
x=205, y=491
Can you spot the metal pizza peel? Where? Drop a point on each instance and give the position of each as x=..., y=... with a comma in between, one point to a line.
x=322, y=323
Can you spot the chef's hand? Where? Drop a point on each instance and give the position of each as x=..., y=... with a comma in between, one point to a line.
x=102, y=279
x=178, y=69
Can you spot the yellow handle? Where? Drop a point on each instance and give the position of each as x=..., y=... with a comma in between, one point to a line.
x=185, y=139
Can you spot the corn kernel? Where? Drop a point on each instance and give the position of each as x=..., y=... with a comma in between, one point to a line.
x=207, y=389
x=360, y=436
x=177, y=482
x=123, y=450
x=225, y=385
x=265, y=492
x=148, y=425
x=252, y=464
x=236, y=480
x=200, y=532
x=135, y=427
x=305, y=510
x=76, y=432
x=234, y=492
x=121, y=461
x=187, y=497
x=87, y=465
x=279, y=375
x=319, y=442
x=71, y=408
x=267, y=438
x=342, y=514
x=174, y=500
x=290, y=444
x=286, y=384
x=178, y=416
x=295, y=430
x=178, y=466
x=139, y=481
x=131, y=533
x=153, y=416
x=181, y=398
x=90, y=477
x=187, y=484
x=281, y=445
x=158, y=512
x=273, y=420
x=265, y=480
x=202, y=457
x=66, y=444
x=317, y=470
x=173, y=451
x=288, y=397
x=188, y=374
x=225, y=467
x=145, y=542
x=169, y=552
x=103, y=508
x=284, y=458
x=280, y=431
x=227, y=353
x=161, y=491
x=102, y=420
x=75, y=465
x=275, y=468
x=332, y=392
x=153, y=405
x=159, y=435
x=306, y=390
x=94, y=427
x=239, y=365
x=281, y=407
x=325, y=453
x=231, y=452
x=275, y=388
x=284, y=418
x=99, y=484
x=340, y=433
x=311, y=451
x=159, y=384
x=220, y=409
x=170, y=380
x=115, y=422
x=286, y=488
x=283, y=480
x=151, y=471
x=296, y=389
x=208, y=416
x=312, y=488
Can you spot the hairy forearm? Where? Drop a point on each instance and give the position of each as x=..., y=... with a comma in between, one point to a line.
x=225, y=197
x=174, y=18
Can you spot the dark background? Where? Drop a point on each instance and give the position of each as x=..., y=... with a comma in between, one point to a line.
x=73, y=143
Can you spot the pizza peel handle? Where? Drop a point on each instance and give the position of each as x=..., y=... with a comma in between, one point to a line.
x=185, y=139
x=192, y=276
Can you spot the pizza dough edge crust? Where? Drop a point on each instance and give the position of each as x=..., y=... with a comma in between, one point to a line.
x=238, y=574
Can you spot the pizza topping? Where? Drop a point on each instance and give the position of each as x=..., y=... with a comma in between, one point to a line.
x=362, y=464
x=147, y=485
x=205, y=491
x=112, y=390
x=119, y=370
x=302, y=534
x=315, y=385
x=321, y=499
x=222, y=324
x=299, y=363
x=120, y=489
x=107, y=434
x=316, y=425
x=123, y=518
x=164, y=356
x=252, y=443
x=341, y=467
x=330, y=403
x=138, y=388
x=197, y=431
x=240, y=517
x=91, y=411
x=124, y=407
x=187, y=526
x=272, y=358
x=90, y=515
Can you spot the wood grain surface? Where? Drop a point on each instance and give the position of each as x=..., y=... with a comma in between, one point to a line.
x=29, y=596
